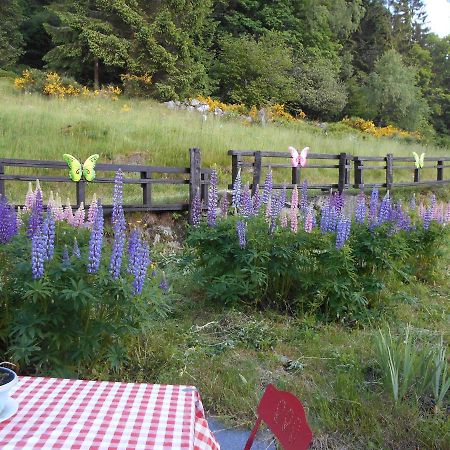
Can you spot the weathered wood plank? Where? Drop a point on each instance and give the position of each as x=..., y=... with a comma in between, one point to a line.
x=257, y=171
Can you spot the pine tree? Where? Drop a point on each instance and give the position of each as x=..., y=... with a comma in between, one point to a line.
x=11, y=40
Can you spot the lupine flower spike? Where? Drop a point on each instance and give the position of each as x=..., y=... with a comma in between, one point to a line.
x=29, y=198
x=142, y=263
x=237, y=188
x=213, y=198
x=256, y=200
x=76, y=249
x=119, y=226
x=241, y=228
x=224, y=204
x=8, y=221
x=96, y=241
x=48, y=232
x=294, y=210
x=267, y=188
x=36, y=219
x=37, y=255
x=196, y=210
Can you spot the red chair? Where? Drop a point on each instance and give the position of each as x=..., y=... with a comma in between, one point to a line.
x=283, y=413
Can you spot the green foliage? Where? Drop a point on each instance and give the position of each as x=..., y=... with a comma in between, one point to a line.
x=11, y=39
x=393, y=92
x=69, y=319
x=255, y=72
x=319, y=92
x=304, y=272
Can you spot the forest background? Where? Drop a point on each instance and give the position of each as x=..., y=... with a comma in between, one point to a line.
x=329, y=59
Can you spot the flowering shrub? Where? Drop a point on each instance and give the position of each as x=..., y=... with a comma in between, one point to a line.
x=335, y=258
x=52, y=84
x=137, y=85
x=74, y=297
x=367, y=126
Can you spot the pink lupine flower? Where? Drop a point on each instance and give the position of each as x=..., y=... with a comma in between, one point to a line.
x=29, y=198
x=68, y=213
x=309, y=221
x=294, y=210
x=58, y=211
x=447, y=213
x=284, y=219
x=78, y=218
x=92, y=210
x=51, y=201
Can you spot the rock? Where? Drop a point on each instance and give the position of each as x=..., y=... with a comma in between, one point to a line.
x=190, y=108
x=195, y=102
x=203, y=108
x=171, y=104
x=218, y=111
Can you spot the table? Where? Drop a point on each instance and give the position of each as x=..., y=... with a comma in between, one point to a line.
x=58, y=413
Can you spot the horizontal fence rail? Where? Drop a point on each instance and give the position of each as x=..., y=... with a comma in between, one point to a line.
x=195, y=176
x=343, y=163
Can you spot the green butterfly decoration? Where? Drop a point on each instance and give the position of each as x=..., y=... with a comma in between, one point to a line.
x=77, y=170
x=419, y=160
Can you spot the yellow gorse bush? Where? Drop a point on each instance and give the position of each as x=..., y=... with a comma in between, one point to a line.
x=145, y=79
x=54, y=86
x=367, y=126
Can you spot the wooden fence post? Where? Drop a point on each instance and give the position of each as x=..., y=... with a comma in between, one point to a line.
x=440, y=170
x=194, y=178
x=416, y=175
x=296, y=175
x=205, y=189
x=80, y=192
x=389, y=171
x=146, y=188
x=2, y=182
x=359, y=172
x=343, y=175
x=256, y=171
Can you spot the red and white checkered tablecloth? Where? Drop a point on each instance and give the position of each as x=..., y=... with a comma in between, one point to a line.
x=57, y=413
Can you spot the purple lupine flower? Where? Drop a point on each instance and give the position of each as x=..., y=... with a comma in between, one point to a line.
x=96, y=241
x=343, y=231
x=438, y=215
x=8, y=221
x=294, y=210
x=256, y=200
x=412, y=202
x=134, y=242
x=48, y=235
x=196, y=210
x=142, y=263
x=325, y=218
x=385, y=210
x=361, y=208
x=267, y=188
x=304, y=197
x=373, y=205
x=119, y=226
x=36, y=220
x=339, y=201
x=213, y=198
x=19, y=215
x=224, y=205
x=76, y=249
x=65, y=258
x=164, y=285
x=427, y=217
x=246, y=206
x=29, y=197
x=237, y=187
x=92, y=210
x=37, y=255
x=117, y=211
x=402, y=219
x=241, y=228
x=433, y=203
x=68, y=213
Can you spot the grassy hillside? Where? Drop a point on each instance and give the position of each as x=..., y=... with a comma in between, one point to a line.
x=36, y=127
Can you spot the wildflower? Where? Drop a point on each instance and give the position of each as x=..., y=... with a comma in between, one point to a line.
x=212, y=200
x=48, y=234
x=373, y=206
x=241, y=228
x=304, y=197
x=164, y=285
x=309, y=220
x=133, y=245
x=142, y=263
x=196, y=210
x=51, y=201
x=29, y=197
x=256, y=200
x=19, y=221
x=96, y=241
x=294, y=210
x=8, y=221
x=68, y=213
x=237, y=187
x=246, y=205
x=37, y=255
x=343, y=231
x=79, y=216
x=267, y=188
x=224, y=204
x=385, y=209
x=35, y=221
x=427, y=217
x=92, y=210
x=284, y=219
x=58, y=210
x=361, y=209
x=65, y=256
x=283, y=198
x=412, y=202
x=447, y=213
x=117, y=211
x=76, y=249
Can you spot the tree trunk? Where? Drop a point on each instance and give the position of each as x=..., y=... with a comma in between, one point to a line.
x=96, y=80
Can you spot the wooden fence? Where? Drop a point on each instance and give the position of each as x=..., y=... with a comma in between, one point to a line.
x=195, y=176
x=343, y=163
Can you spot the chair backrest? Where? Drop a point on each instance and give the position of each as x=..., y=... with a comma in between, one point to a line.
x=284, y=415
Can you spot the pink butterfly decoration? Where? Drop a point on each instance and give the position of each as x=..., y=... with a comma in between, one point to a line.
x=298, y=158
